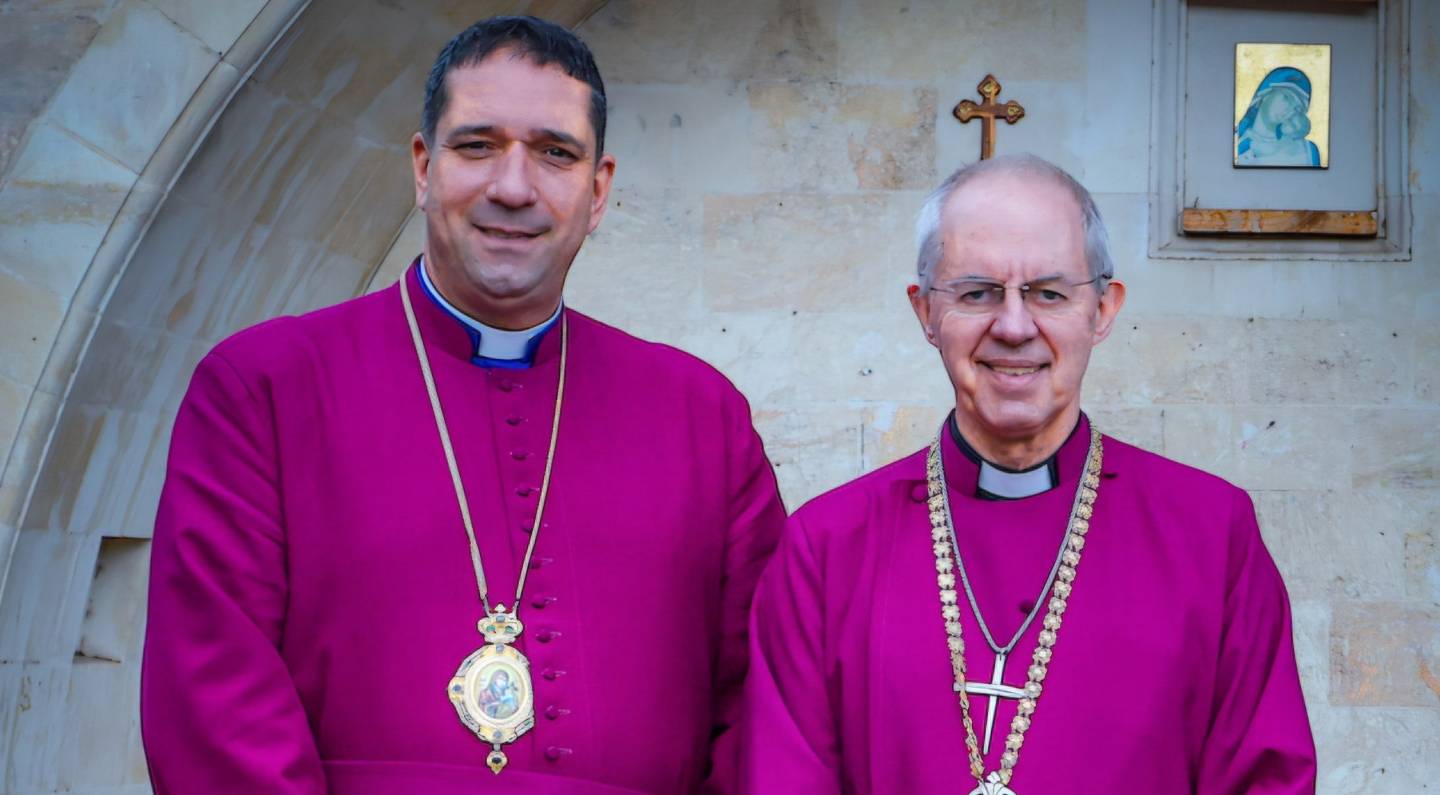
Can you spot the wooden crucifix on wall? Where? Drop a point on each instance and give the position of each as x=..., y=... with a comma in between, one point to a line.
x=988, y=111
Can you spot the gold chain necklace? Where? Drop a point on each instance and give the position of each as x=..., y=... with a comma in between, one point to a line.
x=942, y=534
x=492, y=690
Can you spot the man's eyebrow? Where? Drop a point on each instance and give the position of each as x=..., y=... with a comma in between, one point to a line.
x=466, y=132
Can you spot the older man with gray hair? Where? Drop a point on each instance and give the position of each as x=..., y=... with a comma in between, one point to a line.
x=906, y=637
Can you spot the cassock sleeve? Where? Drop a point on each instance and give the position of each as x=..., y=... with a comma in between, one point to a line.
x=1259, y=741
x=791, y=744
x=757, y=517
x=219, y=711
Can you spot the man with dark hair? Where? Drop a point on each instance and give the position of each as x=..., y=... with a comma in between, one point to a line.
x=353, y=493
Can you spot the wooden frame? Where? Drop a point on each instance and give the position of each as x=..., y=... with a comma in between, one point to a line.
x=1332, y=223
x=1180, y=230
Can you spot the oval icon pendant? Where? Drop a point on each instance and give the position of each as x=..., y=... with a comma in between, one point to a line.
x=492, y=691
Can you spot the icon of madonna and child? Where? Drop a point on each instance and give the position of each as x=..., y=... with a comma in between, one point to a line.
x=499, y=697
x=1274, y=129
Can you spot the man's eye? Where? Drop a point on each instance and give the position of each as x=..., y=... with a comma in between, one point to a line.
x=560, y=154
x=1050, y=296
x=475, y=146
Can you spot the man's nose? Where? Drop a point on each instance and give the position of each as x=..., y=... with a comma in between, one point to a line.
x=512, y=182
x=1013, y=322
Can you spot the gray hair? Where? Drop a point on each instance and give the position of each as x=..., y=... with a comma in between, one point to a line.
x=927, y=226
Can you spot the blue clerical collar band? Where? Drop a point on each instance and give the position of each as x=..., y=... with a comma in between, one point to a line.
x=1001, y=483
x=494, y=347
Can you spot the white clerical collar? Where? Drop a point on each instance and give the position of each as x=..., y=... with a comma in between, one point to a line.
x=996, y=482
x=495, y=343
x=1014, y=485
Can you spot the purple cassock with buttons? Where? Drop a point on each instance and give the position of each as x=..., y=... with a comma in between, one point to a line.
x=1173, y=672
x=312, y=592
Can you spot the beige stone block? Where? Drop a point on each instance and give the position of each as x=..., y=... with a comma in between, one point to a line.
x=1264, y=448
x=1118, y=74
x=215, y=24
x=143, y=57
x=460, y=14
x=1160, y=287
x=670, y=41
x=13, y=398
x=30, y=316
x=1363, y=750
x=1311, y=290
x=695, y=137
x=753, y=349
x=44, y=600
x=273, y=161
x=644, y=257
x=838, y=137
x=895, y=430
x=1140, y=427
x=1425, y=363
x=1328, y=362
x=1422, y=562
x=37, y=728
x=1310, y=628
x=377, y=213
x=102, y=473
x=363, y=62
x=1018, y=39
x=203, y=278
x=1127, y=220
x=867, y=356
x=69, y=347
x=41, y=42
x=25, y=453
x=805, y=252
x=1168, y=360
x=1339, y=544
x=60, y=200
x=1385, y=654
x=813, y=447
x=409, y=244
x=101, y=704
x=136, y=368
x=1397, y=448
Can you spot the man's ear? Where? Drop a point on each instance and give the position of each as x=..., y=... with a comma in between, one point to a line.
x=1110, y=302
x=600, y=190
x=420, y=162
x=920, y=302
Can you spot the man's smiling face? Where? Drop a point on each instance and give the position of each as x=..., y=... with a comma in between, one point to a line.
x=1016, y=368
x=510, y=186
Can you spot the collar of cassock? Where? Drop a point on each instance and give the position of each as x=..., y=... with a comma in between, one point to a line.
x=970, y=474
x=486, y=346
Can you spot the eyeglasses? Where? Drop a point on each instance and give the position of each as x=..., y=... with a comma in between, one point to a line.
x=1045, y=297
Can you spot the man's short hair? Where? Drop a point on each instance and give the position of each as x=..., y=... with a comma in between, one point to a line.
x=544, y=43
x=927, y=228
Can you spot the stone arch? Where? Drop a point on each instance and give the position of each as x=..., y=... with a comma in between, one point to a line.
x=205, y=165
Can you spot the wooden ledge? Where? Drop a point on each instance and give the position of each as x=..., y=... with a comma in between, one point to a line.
x=1327, y=223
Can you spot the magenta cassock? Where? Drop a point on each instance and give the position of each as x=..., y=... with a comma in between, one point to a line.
x=1173, y=673
x=312, y=590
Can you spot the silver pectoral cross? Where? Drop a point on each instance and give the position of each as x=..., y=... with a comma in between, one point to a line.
x=996, y=690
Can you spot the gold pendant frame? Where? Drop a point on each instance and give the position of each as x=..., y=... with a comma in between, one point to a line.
x=492, y=691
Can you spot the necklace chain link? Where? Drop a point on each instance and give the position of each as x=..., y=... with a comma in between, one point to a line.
x=947, y=555
x=434, y=395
